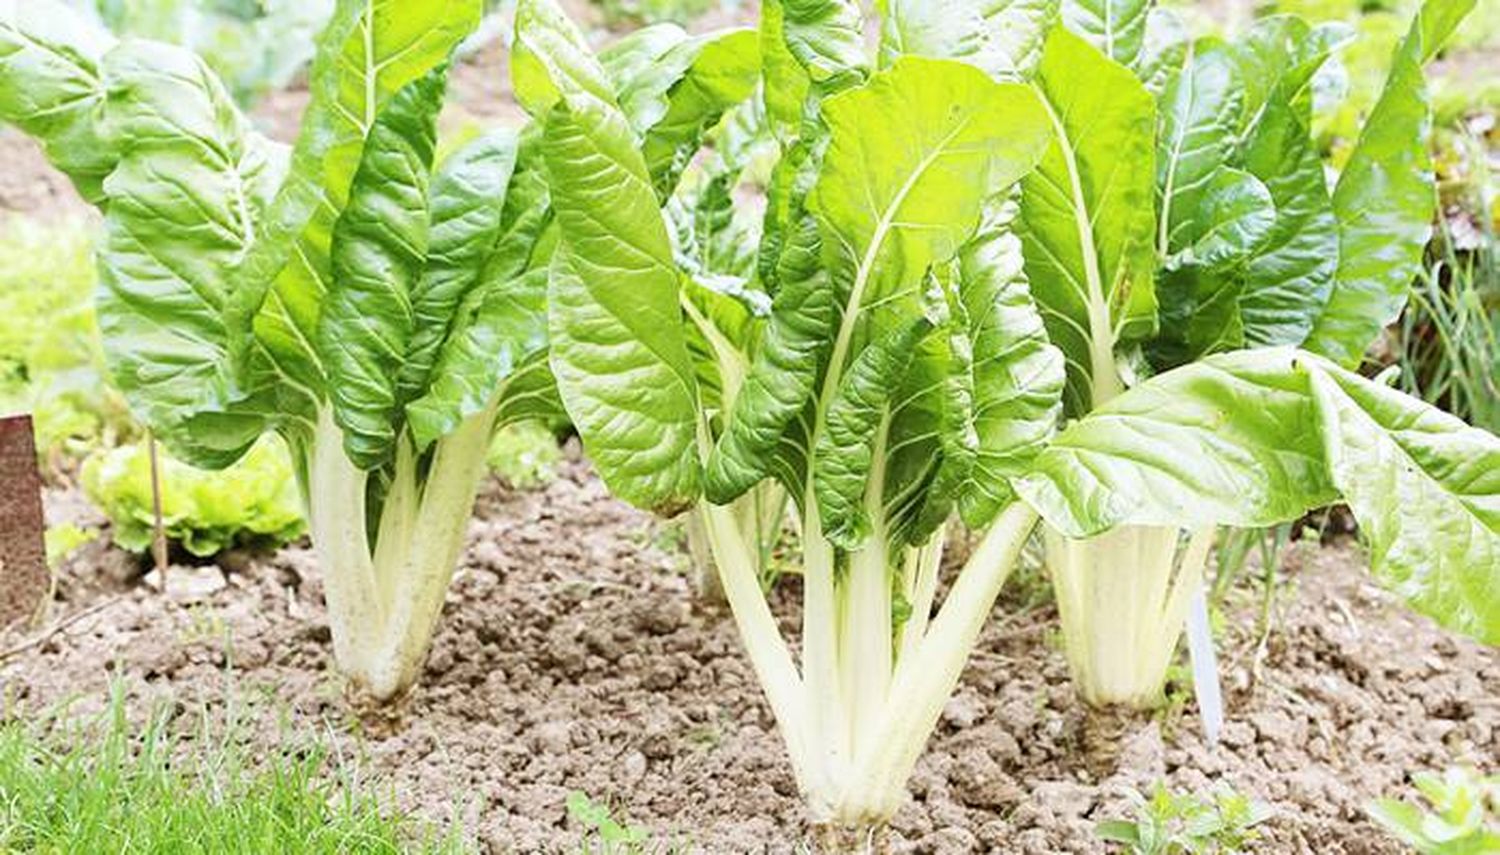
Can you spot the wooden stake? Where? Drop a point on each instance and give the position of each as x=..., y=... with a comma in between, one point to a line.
x=25, y=582
x=159, y=536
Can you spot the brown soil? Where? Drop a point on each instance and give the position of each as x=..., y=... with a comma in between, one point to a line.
x=572, y=657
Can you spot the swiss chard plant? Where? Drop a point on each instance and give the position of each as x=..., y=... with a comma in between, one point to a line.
x=895, y=316
x=1181, y=229
x=962, y=251
x=382, y=312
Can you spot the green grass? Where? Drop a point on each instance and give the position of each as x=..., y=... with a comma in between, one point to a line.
x=1449, y=351
x=185, y=784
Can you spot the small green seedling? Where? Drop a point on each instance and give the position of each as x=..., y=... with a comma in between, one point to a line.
x=1463, y=818
x=603, y=834
x=1171, y=824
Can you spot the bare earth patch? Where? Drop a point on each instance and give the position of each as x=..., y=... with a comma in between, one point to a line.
x=571, y=656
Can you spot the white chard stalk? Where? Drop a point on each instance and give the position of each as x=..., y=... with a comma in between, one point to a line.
x=1122, y=598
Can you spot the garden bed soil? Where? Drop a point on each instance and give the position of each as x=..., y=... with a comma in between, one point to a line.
x=572, y=656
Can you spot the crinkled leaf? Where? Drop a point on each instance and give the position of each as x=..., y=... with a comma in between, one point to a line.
x=707, y=75
x=187, y=198
x=551, y=59
x=51, y=87
x=1086, y=212
x=1117, y=28
x=785, y=81
x=1197, y=121
x=1164, y=49
x=1002, y=38
x=1385, y=199
x=467, y=198
x=499, y=335
x=379, y=247
x=1229, y=440
x=1257, y=437
x=893, y=199
x=1425, y=488
x=618, y=349
x=1234, y=214
x=827, y=37
x=855, y=429
x=783, y=373
x=1018, y=374
x=369, y=50
x=502, y=322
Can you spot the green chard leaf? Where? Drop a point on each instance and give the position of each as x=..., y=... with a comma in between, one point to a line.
x=1197, y=121
x=1018, y=375
x=674, y=88
x=785, y=82
x=52, y=87
x=186, y=203
x=1229, y=440
x=1385, y=198
x=1164, y=49
x=1286, y=281
x=467, y=201
x=1002, y=38
x=369, y=51
x=1117, y=28
x=551, y=59
x=783, y=372
x=619, y=352
x=894, y=203
x=1425, y=488
x=852, y=447
x=1086, y=214
x=379, y=248
x=827, y=37
x=498, y=330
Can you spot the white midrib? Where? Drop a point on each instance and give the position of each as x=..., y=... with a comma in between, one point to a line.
x=1104, y=376
x=372, y=71
x=867, y=266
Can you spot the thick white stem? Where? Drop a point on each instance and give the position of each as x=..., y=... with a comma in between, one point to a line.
x=336, y=521
x=761, y=636
x=824, y=695
x=382, y=607
x=923, y=563
x=418, y=581
x=1122, y=597
x=923, y=683
x=867, y=658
